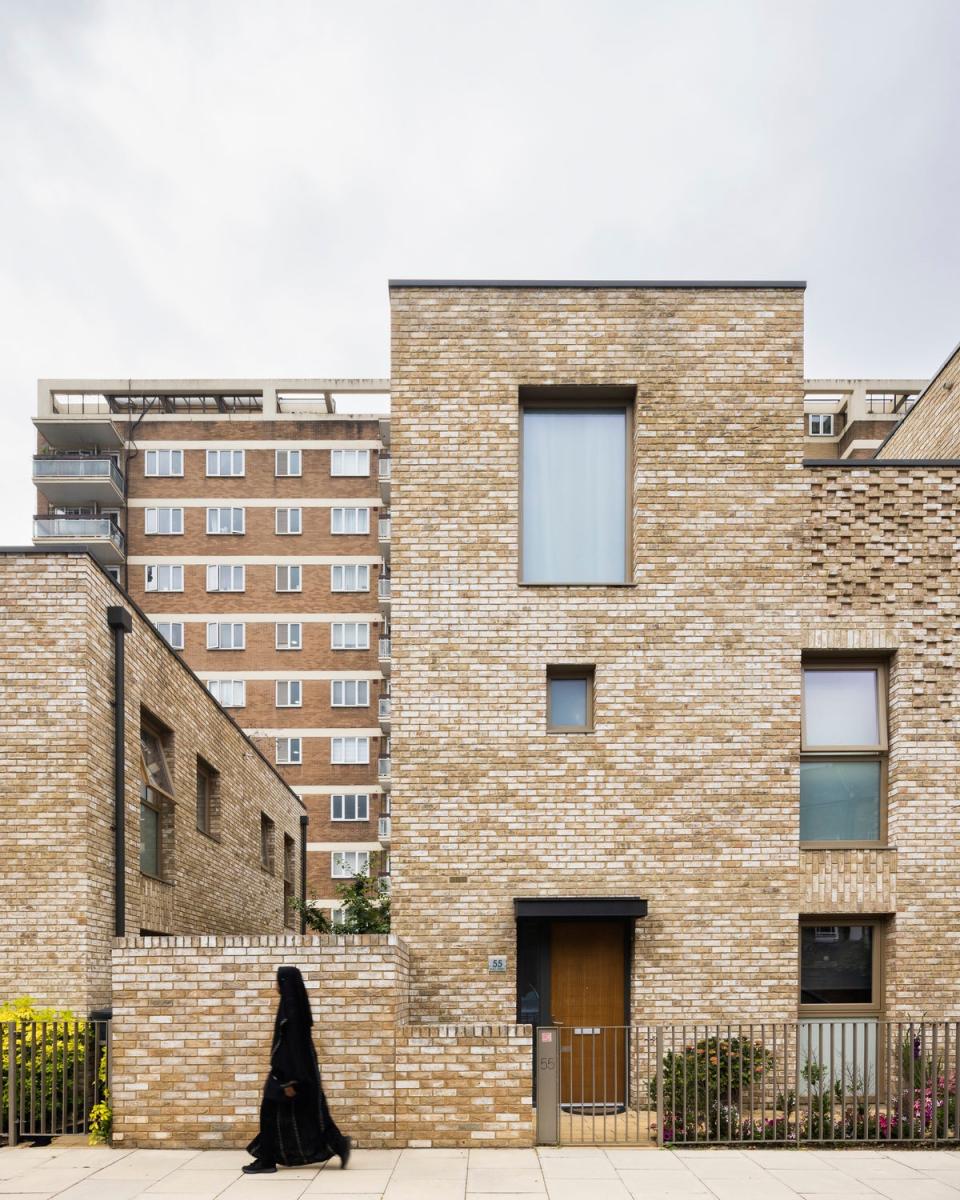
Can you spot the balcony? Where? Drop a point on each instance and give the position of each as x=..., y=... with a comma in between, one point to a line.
x=76, y=478
x=99, y=535
x=383, y=829
x=384, y=649
x=383, y=768
x=80, y=427
x=384, y=530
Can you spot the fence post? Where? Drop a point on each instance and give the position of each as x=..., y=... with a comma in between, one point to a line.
x=660, y=1120
x=548, y=1087
x=12, y=1083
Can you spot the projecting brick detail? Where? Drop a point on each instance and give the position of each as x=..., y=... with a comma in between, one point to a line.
x=464, y=1086
x=932, y=429
x=848, y=881
x=56, y=807
x=191, y=1037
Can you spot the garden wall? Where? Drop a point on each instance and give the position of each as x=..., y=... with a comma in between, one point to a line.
x=192, y=1023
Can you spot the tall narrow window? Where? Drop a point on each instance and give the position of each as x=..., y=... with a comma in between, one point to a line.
x=156, y=801
x=208, y=799
x=843, y=753
x=268, y=838
x=289, y=876
x=575, y=497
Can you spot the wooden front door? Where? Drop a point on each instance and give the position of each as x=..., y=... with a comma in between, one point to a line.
x=588, y=1004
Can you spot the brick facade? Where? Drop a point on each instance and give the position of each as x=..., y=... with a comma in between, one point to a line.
x=56, y=810
x=686, y=793
x=192, y=1024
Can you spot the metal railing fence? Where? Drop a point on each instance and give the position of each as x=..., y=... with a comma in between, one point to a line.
x=838, y=1080
x=54, y=1072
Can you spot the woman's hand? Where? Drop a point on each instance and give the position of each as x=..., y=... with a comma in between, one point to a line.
x=290, y=1091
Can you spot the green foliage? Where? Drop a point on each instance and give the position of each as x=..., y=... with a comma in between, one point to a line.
x=366, y=905
x=706, y=1083
x=52, y=1049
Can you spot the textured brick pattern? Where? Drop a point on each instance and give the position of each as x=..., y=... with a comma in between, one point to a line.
x=687, y=792
x=848, y=881
x=932, y=430
x=885, y=576
x=56, y=806
x=191, y=1039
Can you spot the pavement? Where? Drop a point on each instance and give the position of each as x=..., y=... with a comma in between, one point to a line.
x=559, y=1173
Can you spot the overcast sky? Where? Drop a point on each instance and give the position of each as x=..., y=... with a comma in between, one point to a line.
x=223, y=188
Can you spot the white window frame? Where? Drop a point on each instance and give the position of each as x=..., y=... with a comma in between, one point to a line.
x=823, y=419
x=236, y=520
x=288, y=626
x=172, y=641
x=288, y=457
x=343, y=686
x=288, y=532
x=237, y=458
x=357, y=626
x=229, y=693
x=214, y=637
x=356, y=797
x=152, y=517
x=360, y=519
x=350, y=750
x=236, y=571
x=175, y=576
x=152, y=460
x=292, y=751
x=341, y=575
x=344, y=864
x=292, y=571
x=293, y=688
x=342, y=460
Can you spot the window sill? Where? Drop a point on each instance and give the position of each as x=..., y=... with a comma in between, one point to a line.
x=573, y=730
x=212, y=836
x=845, y=846
x=156, y=878
x=623, y=584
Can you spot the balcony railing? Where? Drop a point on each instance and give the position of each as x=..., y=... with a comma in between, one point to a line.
x=384, y=467
x=63, y=466
x=383, y=587
x=384, y=523
x=83, y=529
x=384, y=706
x=385, y=648
x=383, y=768
x=383, y=829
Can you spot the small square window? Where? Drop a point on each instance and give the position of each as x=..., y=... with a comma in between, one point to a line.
x=289, y=520
x=839, y=966
x=289, y=635
x=288, y=579
x=289, y=693
x=570, y=699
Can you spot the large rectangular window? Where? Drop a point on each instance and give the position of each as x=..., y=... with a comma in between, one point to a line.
x=163, y=520
x=225, y=635
x=289, y=579
x=225, y=462
x=289, y=520
x=289, y=635
x=171, y=632
x=163, y=577
x=229, y=693
x=350, y=577
x=839, y=967
x=225, y=578
x=350, y=806
x=350, y=693
x=350, y=635
x=349, y=462
x=843, y=753
x=163, y=462
x=287, y=463
x=346, y=863
x=225, y=520
x=349, y=520
x=289, y=751
x=349, y=750
x=575, y=498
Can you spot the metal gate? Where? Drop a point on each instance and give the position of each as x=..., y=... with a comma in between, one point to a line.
x=54, y=1072
x=787, y=1082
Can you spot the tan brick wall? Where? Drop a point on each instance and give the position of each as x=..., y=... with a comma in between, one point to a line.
x=464, y=1086
x=191, y=1038
x=56, y=809
x=687, y=792
x=932, y=430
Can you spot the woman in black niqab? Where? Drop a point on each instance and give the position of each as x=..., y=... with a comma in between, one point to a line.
x=295, y=1123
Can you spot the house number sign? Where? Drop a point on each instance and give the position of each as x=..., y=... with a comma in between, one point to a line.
x=497, y=962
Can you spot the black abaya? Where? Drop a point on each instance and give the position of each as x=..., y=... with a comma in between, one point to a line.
x=298, y=1129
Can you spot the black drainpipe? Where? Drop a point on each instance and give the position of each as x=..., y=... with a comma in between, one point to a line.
x=119, y=621
x=303, y=872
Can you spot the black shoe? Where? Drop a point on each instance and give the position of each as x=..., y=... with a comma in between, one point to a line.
x=344, y=1152
x=259, y=1167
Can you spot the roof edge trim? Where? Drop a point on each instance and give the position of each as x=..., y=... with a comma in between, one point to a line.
x=597, y=284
